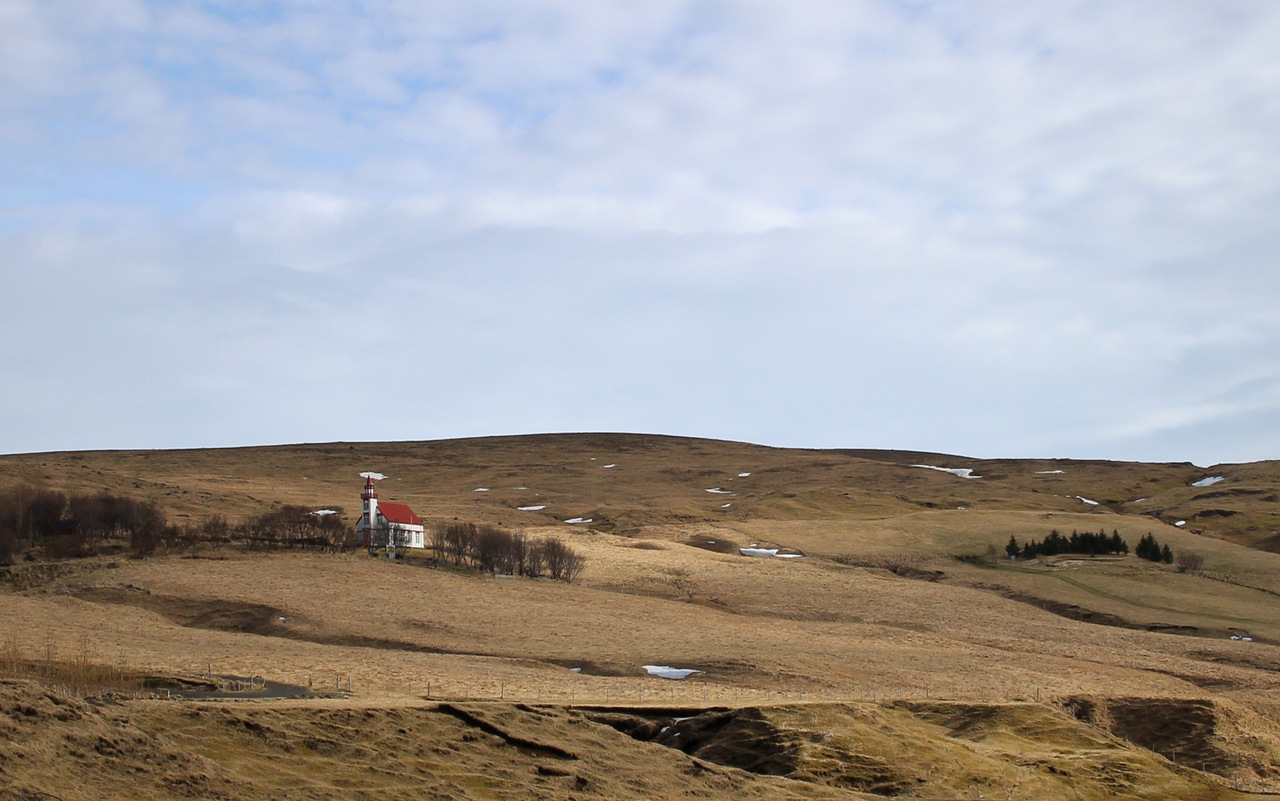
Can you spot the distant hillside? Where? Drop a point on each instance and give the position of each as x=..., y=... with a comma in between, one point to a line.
x=627, y=482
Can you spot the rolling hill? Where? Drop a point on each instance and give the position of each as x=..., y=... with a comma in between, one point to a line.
x=893, y=656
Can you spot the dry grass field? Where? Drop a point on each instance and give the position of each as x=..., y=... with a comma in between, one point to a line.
x=892, y=658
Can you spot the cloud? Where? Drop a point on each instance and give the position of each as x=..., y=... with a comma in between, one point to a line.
x=1001, y=230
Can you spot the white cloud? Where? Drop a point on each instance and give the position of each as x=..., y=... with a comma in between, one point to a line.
x=997, y=230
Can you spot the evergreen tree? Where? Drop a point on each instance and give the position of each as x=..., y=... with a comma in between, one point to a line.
x=1166, y=555
x=1118, y=545
x=1143, y=550
x=1149, y=549
x=1012, y=548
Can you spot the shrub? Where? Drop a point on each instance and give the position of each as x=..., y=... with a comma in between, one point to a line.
x=1189, y=562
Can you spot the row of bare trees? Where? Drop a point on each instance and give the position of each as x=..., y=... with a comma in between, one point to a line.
x=75, y=525
x=67, y=526
x=495, y=550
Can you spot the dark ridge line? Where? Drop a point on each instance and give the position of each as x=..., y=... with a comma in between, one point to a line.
x=511, y=739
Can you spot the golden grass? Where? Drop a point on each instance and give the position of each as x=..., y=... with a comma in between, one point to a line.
x=80, y=674
x=762, y=631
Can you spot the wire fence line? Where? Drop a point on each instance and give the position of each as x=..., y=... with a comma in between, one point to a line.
x=587, y=689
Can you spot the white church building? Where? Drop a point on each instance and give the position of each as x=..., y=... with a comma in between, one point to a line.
x=387, y=524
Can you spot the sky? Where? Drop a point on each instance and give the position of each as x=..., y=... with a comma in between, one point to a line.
x=995, y=229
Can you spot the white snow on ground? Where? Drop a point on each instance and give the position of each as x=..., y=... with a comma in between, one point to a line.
x=1086, y=500
x=726, y=505
x=1207, y=481
x=576, y=670
x=579, y=520
x=719, y=491
x=1140, y=500
x=1049, y=472
x=743, y=475
x=531, y=508
x=963, y=472
x=607, y=466
x=372, y=475
x=768, y=552
x=323, y=512
x=1180, y=523
x=481, y=489
x=668, y=672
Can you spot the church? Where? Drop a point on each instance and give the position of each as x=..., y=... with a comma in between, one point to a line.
x=387, y=525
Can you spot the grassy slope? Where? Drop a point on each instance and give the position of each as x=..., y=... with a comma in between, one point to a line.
x=762, y=630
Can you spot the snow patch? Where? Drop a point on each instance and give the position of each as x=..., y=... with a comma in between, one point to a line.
x=579, y=520
x=726, y=505
x=668, y=672
x=1180, y=523
x=1082, y=498
x=1049, y=472
x=768, y=553
x=373, y=475
x=1207, y=481
x=537, y=508
x=323, y=512
x=481, y=489
x=607, y=466
x=720, y=491
x=743, y=475
x=963, y=472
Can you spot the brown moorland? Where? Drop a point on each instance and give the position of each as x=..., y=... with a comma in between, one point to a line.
x=893, y=658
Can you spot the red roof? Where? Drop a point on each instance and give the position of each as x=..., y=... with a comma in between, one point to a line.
x=398, y=513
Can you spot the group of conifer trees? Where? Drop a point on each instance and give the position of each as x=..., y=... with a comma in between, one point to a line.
x=1153, y=551
x=1088, y=543
x=1054, y=544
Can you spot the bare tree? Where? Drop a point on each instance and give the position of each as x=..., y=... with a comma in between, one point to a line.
x=459, y=540
x=1189, y=562
x=215, y=531
x=562, y=562
x=440, y=540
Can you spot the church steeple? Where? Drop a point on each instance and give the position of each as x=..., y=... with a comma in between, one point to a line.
x=369, y=516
